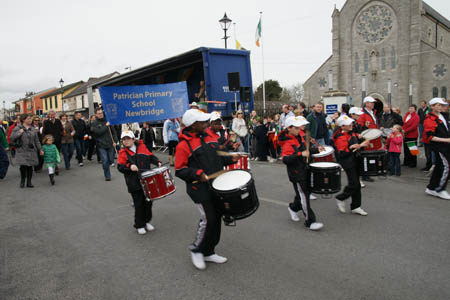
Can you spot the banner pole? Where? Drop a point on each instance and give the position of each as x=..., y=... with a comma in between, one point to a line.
x=262, y=54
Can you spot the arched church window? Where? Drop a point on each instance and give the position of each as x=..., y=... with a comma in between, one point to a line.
x=444, y=92
x=383, y=60
x=435, y=92
x=393, y=58
x=356, y=62
x=366, y=61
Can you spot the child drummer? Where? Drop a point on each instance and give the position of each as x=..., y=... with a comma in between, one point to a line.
x=294, y=153
x=346, y=142
x=135, y=158
x=217, y=131
x=195, y=159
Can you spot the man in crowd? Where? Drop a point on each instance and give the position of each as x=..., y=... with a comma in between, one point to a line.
x=80, y=131
x=389, y=118
x=286, y=113
x=54, y=127
x=422, y=112
x=368, y=118
x=318, y=125
x=105, y=137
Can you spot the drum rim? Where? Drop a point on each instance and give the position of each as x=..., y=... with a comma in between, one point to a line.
x=332, y=165
x=170, y=193
x=324, y=153
x=365, y=132
x=153, y=171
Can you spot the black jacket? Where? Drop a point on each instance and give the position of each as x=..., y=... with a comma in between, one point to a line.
x=148, y=136
x=103, y=133
x=80, y=129
x=54, y=128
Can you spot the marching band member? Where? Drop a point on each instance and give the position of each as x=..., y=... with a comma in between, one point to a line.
x=293, y=153
x=355, y=113
x=437, y=133
x=196, y=158
x=368, y=120
x=134, y=158
x=217, y=131
x=346, y=142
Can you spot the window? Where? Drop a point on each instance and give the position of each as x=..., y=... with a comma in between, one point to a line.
x=444, y=92
x=82, y=101
x=56, y=102
x=51, y=103
x=393, y=58
x=46, y=104
x=383, y=60
x=356, y=62
x=435, y=92
x=366, y=61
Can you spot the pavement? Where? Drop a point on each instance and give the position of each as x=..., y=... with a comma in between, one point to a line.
x=75, y=240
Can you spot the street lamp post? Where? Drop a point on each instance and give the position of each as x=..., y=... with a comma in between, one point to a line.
x=389, y=87
x=4, y=110
x=410, y=93
x=225, y=23
x=61, y=83
x=363, y=88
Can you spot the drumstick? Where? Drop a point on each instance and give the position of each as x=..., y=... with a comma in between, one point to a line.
x=223, y=153
x=307, y=141
x=213, y=175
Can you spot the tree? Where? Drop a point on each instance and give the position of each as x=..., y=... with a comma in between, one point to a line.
x=273, y=91
x=297, y=91
x=286, y=96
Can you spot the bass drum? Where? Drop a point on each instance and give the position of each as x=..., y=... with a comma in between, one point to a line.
x=325, y=178
x=373, y=163
x=236, y=193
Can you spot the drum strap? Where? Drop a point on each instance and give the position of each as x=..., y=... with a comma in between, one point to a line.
x=196, y=158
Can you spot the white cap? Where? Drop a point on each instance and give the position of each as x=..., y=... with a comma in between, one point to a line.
x=127, y=133
x=438, y=101
x=193, y=104
x=215, y=115
x=295, y=121
x=369, y=99
x=194, y=115
x=344, y=120
x=355, y=110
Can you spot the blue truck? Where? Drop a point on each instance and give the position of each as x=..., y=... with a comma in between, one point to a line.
x=211, y=65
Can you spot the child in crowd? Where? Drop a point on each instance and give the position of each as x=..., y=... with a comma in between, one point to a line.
x=51, y=156
x=395, y=142
x=294, y=154
x=133, y=158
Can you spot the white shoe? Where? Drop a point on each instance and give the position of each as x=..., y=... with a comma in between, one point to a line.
x=431, y=192
x=198, y=260
x=312, y=197
x=315, y=226
x=215, y=259
x=141, y=230
x=256, y=158
x=359, y=211
x=112, y=165
x=81, y=164
x=341, y=206
x=149, y=227
x=294, y=215
x=443, y=194
x=362, y=183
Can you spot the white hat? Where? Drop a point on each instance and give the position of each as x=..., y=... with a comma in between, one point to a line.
x=369, y=99
x=127, y=133
x=295, y=121
x=215, y=115
x=193, y=104
x=344, y=120
x=194, y=115
x=438, y=101
x=355, y=110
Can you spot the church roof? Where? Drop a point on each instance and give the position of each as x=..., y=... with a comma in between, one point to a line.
x=434, y=14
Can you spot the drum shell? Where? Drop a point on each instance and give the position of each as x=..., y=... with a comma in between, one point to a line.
x=238, y=203
x=328, y=158
x=157, y=185
x=373, y=145
x=324, y=180
x=373, y=163
x=241, y=164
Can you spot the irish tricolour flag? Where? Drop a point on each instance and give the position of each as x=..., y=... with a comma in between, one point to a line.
x=412, y=146
x=258, y=33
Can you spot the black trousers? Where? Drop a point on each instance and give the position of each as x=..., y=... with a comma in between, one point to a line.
x=301, y=202
x=439, y=178
x=209, y=227
x=428, y=155
x=142, y=209
x=91, y=148
x=409, y=159
x=353, y=189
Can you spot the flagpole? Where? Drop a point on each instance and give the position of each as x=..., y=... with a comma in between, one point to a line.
x=234, y=27
x=262, y=54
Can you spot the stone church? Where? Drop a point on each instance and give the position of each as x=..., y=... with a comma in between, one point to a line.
x=397, y=51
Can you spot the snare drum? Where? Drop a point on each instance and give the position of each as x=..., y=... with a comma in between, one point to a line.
x=325, y=177
x=241, y=164
x=324, y=156
x=373, y=163
x=374, y=136
x=237, y=194
x=157, y=183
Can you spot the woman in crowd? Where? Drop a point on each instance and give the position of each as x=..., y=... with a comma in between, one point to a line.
x=27, y=142
x=37, y=125
x=91, y=141
x=67, y=145
x=240, y=128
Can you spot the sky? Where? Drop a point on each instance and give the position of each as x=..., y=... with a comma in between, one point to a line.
x=46, y=40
